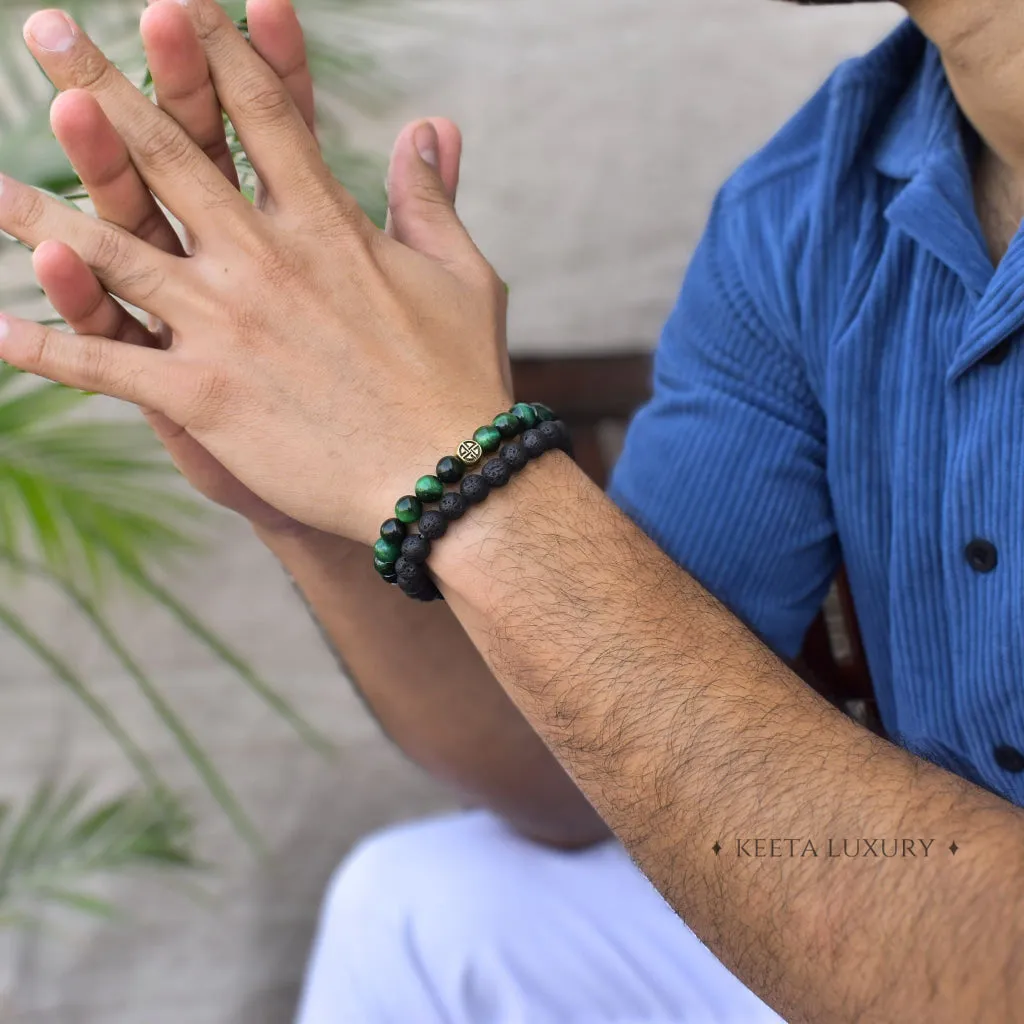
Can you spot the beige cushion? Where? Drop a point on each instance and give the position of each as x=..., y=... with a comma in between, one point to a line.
x=598, y=132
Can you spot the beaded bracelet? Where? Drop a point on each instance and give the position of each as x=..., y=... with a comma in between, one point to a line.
x=400, y=556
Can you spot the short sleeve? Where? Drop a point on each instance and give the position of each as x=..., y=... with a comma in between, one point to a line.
x=725, y=467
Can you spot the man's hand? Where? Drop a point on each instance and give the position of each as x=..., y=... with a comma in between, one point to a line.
x=185, y=90
x=323, y=363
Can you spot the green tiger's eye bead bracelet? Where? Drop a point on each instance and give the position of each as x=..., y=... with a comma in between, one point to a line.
x=400, y=556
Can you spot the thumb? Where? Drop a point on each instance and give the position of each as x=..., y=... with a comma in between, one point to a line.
x=422, y=183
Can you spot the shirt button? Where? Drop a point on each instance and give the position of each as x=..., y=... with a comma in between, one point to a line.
x=998, y=354
x=1010, y=759
x=981, y=555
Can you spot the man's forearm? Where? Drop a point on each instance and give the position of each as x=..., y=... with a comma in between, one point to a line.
x=685, y=731
x=431, y=691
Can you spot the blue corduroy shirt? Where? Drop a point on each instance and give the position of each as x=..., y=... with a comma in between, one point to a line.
x=842, y=382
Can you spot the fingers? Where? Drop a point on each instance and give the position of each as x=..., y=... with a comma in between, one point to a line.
x=77, y=295
x=449, y=154
x=166, y=158
x=129, y=372
x=422, y=182
x=181, y=77
x=126, y=266
x=449, y=159
x=278, y=142
x=276, y=35
x=105, y=166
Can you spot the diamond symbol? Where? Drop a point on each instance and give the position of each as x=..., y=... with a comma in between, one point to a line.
x=717, y=848
x=953, y=848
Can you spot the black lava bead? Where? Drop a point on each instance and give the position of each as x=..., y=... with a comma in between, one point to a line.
x=416, y=549
x=566, y=445
x=433, y=525
x=552, y=432
x=394, y=531
x=422, y=590
x=453, y=506
x=405, y=569
x=450, y=469
x=475, y=488
x=557, y=434
x=415, y=585
x=496, y=472
x=535, y=443
x=515, y=455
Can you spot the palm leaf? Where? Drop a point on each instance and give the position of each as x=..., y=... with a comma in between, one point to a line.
x=61, y=841
x=84, y=494
x=20, y=629
x=204, y=767
x=312, y=736
x=85, y=503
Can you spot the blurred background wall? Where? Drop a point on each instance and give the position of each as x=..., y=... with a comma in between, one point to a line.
x=596, y=134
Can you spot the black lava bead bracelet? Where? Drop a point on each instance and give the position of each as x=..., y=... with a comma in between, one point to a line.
x=528, y=430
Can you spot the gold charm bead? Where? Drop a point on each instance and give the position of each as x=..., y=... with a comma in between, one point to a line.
x=470, y=452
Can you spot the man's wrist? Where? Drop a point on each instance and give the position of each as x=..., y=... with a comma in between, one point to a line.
x=483, y=555
x=307, y=543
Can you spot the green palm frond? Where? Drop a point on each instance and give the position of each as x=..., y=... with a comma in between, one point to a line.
x=84, y=495
x=315, y=739
x=161, y=707
x=85, y=505
x=62, y=841
x=17, y=627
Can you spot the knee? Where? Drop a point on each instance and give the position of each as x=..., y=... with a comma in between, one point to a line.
x=368, y=880
x=411, y=914
x=433, y=892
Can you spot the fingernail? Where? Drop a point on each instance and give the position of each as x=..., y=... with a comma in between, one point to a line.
x=52, y=30
x=427, y=143
x=5, y=327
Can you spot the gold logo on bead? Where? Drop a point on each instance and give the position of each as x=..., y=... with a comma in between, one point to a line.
x=470, y=452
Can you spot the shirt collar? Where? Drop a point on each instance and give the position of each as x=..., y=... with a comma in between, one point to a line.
x=926, y=125
x=927, y=145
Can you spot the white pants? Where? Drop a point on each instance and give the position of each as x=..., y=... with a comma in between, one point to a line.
x=460, y=921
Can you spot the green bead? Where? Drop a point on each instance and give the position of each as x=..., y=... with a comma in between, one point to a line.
x=394, y=531
x=384, y=568
x=429, y=488
x=386, y=551
x=526, y=414
x=489, y=438
x=544, y=414
x=408, y=509
x=507, y=424
x=451, y=469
